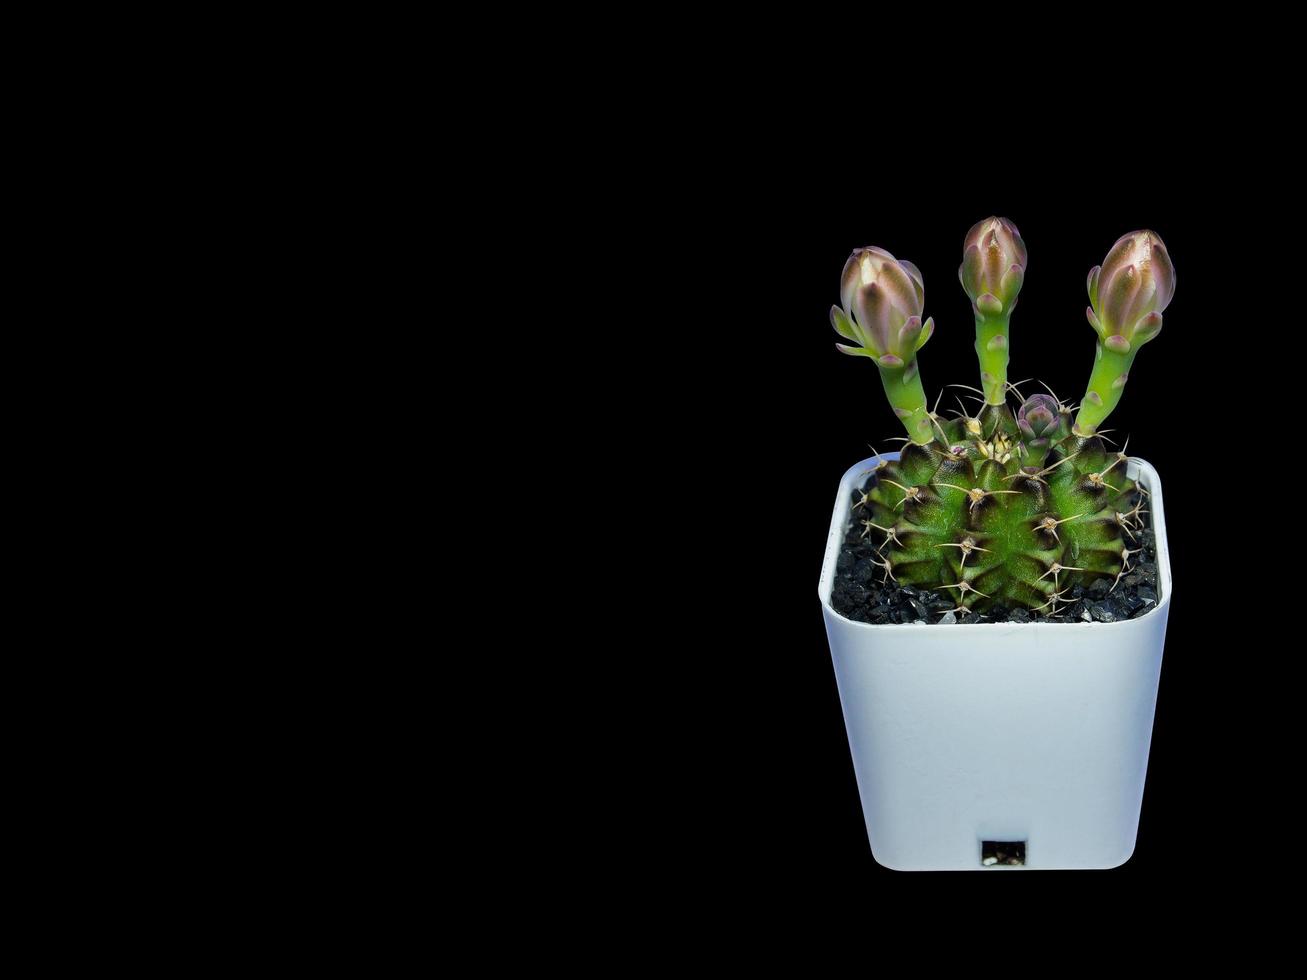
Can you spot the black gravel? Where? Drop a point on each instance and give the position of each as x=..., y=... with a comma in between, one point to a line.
x=860, y=591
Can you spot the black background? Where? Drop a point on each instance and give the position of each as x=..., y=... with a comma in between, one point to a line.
x=764, y=785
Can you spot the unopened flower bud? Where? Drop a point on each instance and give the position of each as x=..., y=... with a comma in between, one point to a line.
x=993, y=265
x=1129, y=291
x=881, y=302
x=1038, y=419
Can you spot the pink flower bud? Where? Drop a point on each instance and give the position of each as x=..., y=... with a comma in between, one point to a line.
x=993, y=264
x=882, y=299
x=1131, y=289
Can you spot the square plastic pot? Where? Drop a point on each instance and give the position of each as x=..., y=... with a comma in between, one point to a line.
x=973, y=738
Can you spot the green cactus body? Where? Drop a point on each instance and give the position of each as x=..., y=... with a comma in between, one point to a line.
x=997, y=518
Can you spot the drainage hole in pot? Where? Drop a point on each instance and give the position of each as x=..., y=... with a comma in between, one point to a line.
x=1002, y=852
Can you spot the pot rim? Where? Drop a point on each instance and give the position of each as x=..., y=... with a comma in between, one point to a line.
x=1136, y=467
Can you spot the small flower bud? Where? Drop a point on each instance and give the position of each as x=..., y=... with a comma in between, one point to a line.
x=1038, y=418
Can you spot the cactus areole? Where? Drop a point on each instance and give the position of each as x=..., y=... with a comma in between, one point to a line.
x=1004, y=508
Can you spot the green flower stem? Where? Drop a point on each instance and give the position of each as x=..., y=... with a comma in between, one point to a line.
x=1106, y=386
x=905, y=394
x=992, y=352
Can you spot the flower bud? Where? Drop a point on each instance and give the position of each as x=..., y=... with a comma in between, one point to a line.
x=1129, y=291
x=881, y=301
x=1038, y=419
x=993, y=265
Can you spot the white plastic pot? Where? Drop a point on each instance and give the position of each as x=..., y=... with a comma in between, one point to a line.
x=1036, y=733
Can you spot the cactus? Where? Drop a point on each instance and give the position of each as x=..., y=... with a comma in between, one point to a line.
x=1001, y=509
